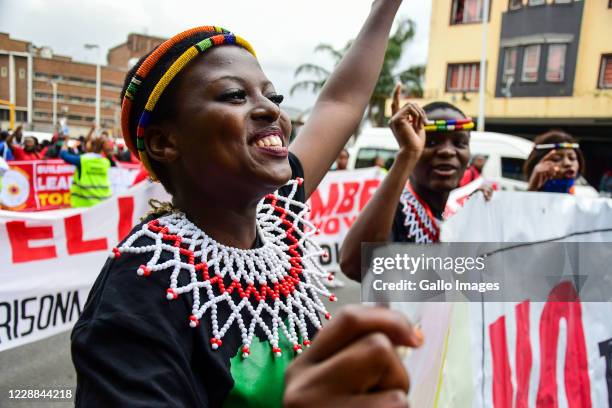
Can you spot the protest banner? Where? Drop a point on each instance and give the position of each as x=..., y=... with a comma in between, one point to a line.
x=49, y=261
x=527, y=353
x=335, y=205
x=43, y=185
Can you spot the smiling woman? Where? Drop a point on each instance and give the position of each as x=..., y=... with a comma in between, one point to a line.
x=209, y=300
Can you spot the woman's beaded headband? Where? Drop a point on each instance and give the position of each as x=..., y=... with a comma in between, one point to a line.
x=224, y=37
x=450, y=125
x=557, y=146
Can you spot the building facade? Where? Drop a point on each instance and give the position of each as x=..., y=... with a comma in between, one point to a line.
x=549, y=65
x=31, y=76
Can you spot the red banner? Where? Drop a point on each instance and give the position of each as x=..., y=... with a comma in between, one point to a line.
x=36, y=185
x=45, y=184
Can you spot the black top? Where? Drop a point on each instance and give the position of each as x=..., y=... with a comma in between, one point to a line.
x=399, y=231
x=133, y=348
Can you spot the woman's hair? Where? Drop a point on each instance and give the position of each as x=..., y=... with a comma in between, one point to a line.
x=430, y=107
x=552, y=136
x=96, y=144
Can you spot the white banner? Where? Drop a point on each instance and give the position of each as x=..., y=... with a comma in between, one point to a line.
x=524, y=354
x=49, y=261
x=335, y=206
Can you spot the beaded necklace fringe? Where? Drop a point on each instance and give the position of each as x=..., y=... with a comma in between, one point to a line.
x=422, y=226
x=273, y=279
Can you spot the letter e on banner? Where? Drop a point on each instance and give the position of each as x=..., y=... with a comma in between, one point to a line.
x=74, y=237
x=20, y=236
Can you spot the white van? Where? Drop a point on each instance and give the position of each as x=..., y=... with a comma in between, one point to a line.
x=505, y=155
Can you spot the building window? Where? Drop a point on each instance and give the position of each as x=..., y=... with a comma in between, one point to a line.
x=21, y=116
x=536, y=2
x=466, y=11
x=555, y=66
x=605, y=72
x=463, y=77
x=563, y=1
x=515, y=4
x=510, y=57
x=21, y=73
x=3, y=72
x=531, y=63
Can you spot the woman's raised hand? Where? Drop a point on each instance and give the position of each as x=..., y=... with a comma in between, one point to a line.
x=353, y=362
x=545, y=170
x=408, y=124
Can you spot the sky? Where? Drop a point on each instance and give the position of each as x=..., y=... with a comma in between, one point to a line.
x=283, y=33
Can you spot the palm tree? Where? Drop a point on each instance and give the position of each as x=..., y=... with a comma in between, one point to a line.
x=411, y=78
x=319, y=72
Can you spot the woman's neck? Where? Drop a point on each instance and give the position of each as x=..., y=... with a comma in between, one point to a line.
x=231, y=225
x=436, y=200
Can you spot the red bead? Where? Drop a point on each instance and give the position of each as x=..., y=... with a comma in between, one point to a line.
x=299, y=180
x=307, y=343
x=145, y=270
x=327, y=315
x=172, y=293
x=332, y=298
x=194, y=319
x=330, y=277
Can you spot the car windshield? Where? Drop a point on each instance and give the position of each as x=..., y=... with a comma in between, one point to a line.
x=366, y=156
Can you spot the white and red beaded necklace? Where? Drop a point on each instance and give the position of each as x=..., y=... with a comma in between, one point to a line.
x=421, y=224
x=274, y=278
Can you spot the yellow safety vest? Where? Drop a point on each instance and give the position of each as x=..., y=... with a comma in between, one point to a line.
x=91, y=185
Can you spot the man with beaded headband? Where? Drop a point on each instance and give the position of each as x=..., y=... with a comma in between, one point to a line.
x=409, y=204
x=208, y=301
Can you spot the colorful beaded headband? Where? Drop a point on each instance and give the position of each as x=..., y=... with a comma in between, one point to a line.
x=450, y=125
x=557, y=146
x=224, y=37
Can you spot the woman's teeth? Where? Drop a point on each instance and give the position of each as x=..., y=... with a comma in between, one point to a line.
x=270, y=141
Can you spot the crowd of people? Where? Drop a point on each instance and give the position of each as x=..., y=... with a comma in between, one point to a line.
x=92, y=155
x=17, y=146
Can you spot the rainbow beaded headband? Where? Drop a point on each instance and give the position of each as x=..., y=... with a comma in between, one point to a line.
x=557, y=146
x=450, y=125
x=224, y=37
